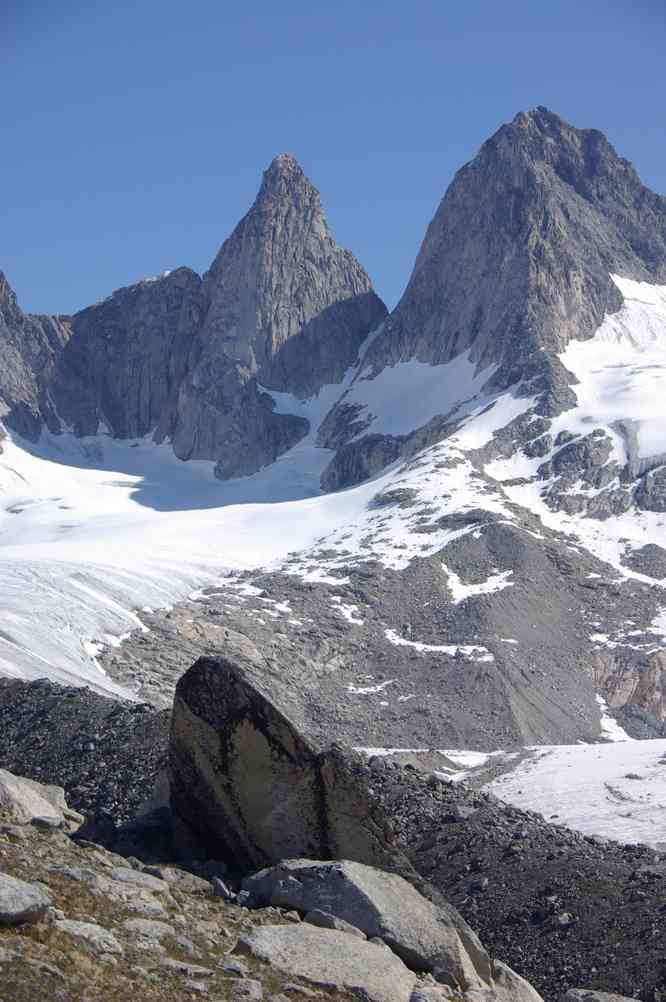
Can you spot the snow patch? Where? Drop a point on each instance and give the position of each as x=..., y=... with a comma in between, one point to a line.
x=610, y=729
x=473, y=651
x=616, y=790
x=460, y=591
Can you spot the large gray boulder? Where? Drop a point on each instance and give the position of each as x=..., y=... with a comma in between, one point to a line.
x=332, y=960
x=21, y=902
x=249, y=784
x=426, y=937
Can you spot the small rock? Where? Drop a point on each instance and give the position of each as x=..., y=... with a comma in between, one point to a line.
x=186, y=945
x=21, y=902
x=149, y=928
x=220, y=889
x=245, y=990
x=234, y=966
x=95, y=936
x=125, y=875
x=198, y=987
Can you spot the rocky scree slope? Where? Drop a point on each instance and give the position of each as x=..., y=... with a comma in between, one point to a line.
x=80, y=922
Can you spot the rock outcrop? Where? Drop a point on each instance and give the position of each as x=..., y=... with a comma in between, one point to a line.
x=25, y=801
x=21, y=902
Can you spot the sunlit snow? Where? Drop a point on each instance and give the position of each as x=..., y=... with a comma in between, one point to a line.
x=615, y=790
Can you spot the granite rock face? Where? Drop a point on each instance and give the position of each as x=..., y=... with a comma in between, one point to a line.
x=518, y=255
x=285, y=308
x=515, y=264
x=128, y=355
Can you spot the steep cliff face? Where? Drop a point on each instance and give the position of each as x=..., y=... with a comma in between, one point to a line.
x=519, y=254
x=285, y=308
x=127, y=356
x=29, y=348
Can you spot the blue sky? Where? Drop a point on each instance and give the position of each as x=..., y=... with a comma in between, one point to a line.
x=135, y=133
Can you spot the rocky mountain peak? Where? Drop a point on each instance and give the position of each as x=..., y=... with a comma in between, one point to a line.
x=285, y=308
x=518, y=257
x=266, y=280
x=540, y=139
x=284, y=172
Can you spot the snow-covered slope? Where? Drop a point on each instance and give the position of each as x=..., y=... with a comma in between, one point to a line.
x=614, y=790
x=620, y=382
x=93, y=530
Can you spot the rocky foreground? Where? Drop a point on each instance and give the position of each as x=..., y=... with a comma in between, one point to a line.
x=561, y=909
x=78, y=922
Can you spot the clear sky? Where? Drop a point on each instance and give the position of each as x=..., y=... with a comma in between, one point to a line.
x=134, y=132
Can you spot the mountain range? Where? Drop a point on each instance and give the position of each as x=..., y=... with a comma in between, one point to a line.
x=441, y=527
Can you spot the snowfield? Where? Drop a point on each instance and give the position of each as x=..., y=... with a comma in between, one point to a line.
x=614, y=790
x=93, y=530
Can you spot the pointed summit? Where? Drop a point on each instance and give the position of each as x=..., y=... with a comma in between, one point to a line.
x=278, y=271
x=286, y=308
x=518, y=257
x=284, y=165
x=285, y=180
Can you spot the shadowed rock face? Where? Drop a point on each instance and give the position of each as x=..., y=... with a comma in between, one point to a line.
x=128, y=355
